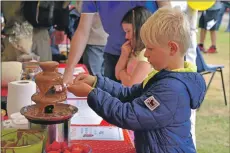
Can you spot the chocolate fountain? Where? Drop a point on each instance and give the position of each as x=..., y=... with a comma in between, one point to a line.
x=49, y=111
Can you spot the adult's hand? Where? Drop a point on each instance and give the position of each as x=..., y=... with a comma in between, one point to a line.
x=68, y=77
x=78, y=43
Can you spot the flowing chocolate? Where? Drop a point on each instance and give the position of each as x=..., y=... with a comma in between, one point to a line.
x=48, y=107
x=46, y=82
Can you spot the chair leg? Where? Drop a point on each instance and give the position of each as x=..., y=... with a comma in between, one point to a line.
x=222, y=78
x=210, y=80
x=208, y=87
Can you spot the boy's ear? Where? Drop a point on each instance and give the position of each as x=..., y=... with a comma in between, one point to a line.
x=173, y=46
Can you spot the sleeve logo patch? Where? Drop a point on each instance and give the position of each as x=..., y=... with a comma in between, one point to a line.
x=151, y=103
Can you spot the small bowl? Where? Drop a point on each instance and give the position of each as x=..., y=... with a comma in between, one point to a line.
x=81, y=147
x=21, y=141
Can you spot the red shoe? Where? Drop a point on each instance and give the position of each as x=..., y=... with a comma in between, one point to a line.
x=212, y=49
x=202, y=49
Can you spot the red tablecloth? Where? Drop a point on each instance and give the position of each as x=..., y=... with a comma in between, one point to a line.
x=63, y=65
x=4, y=91
x=125, y=146
x=97, y=146
x=102, y=146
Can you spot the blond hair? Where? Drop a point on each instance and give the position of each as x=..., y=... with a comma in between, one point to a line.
x=165, y=25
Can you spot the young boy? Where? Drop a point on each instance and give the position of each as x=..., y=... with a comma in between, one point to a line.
x=157, y=110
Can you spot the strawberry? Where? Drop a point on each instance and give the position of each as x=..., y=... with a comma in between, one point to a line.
x=48, y=148
x=66, y=151
x=53, y=152
x=64, y=146
x=55, y=145
x=77, y=150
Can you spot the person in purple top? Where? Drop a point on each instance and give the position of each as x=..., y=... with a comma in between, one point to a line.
x=111, y=14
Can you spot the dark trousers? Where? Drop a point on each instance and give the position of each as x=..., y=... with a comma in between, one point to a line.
x=110, y=62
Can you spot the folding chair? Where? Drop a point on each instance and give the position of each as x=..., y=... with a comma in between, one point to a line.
x=204, y=68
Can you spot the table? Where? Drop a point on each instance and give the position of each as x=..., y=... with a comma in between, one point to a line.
x=103, y=146
x=4, y=90
x=63, y=65
x=125, y=146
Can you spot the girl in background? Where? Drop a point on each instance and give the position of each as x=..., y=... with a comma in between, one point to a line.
x=132, y=66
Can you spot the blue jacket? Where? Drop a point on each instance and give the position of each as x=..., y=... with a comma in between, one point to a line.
x=166, y=129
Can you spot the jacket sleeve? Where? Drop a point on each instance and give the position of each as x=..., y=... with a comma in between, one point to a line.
x=117, y=90
x=135, y=115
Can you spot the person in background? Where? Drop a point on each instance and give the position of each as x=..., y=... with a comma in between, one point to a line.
x=111, y=14
x=94, y=50
x=208, y=22
x=21, y=11
x=228, y=27
x=18, y=33
x=132, y=61
x=18, y=43
x=159, y=108
x=224, y=8
x=56, y=55
x=51, y=14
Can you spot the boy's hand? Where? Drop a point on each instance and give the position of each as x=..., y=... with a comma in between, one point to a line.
x=86, y=78
x=126, y=48
x=80, y=89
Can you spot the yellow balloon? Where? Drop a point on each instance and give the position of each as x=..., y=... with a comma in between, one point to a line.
x=201, y=5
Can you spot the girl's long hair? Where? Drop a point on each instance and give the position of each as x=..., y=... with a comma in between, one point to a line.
x=137, y=17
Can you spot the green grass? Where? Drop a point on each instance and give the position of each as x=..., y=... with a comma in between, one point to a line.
x=212, y=121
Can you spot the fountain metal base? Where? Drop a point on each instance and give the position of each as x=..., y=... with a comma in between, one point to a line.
x=56, y=125
x=61, y=113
